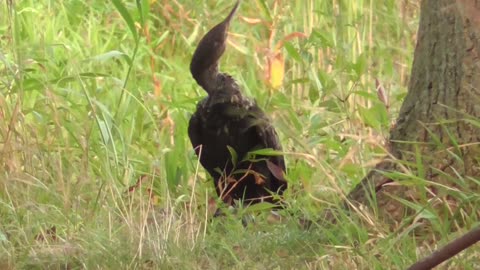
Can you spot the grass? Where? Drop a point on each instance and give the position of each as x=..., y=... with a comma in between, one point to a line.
x=96, y=167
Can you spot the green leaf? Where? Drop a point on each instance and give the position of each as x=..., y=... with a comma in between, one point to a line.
x=331, y=105
x=258, y=207
x=421, y=210
x=126, y=16
x=104, y=130
x=265, y=9
x=162, y=37
x=321, y=39
x=369, y=95
x=171, y=169
x=266, y=152
x=233, y=154
x=3, y=237
x=67, y=79
x=292, y=51
x=143, y=7
x=111, y=54
x=376, y=116
x=360, y=66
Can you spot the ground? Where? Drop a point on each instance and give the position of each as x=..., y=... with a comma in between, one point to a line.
x=97, y=170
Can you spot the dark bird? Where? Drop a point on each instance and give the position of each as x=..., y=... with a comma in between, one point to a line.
x=227, y=126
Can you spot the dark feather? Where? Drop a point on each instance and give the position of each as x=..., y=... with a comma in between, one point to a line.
x=226, y=121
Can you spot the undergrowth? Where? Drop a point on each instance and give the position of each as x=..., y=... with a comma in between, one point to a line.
x=96, y=167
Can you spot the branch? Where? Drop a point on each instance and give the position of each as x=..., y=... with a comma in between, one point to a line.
x=448, y=251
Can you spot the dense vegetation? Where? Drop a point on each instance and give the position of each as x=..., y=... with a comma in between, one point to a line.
x=96, y=167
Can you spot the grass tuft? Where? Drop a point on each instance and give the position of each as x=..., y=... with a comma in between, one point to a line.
x=96, y=170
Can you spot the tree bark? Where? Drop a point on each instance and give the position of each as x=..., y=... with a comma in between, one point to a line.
x=434, y=145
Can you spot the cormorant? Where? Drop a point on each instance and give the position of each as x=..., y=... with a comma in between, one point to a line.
x=228, y=125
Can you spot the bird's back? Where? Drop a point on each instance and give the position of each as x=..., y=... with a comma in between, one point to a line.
x=222, y=125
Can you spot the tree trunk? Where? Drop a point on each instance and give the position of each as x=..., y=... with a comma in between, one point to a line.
x=434, y=146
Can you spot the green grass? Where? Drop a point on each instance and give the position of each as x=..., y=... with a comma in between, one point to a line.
x=91, y=103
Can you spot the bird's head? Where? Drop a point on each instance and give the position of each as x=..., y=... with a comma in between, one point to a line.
x=204, y=65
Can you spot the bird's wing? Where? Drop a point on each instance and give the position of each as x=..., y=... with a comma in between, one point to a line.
x=268, y=138
x=195, y=132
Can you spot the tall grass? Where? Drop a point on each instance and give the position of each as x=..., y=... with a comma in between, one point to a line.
x=95, y=163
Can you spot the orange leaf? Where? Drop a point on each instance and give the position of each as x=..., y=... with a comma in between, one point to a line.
x=157, y=86
x=154, y=199
x=276, y=171
x=212, y=205
x=277, y=71
x=381, y=93
x=137, y=184
x=49, y=234
x=288, y=38
x=259, y=180
x=251, y=20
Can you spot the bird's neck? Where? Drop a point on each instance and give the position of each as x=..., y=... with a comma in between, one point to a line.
x=225, y=90
x=226, y=85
